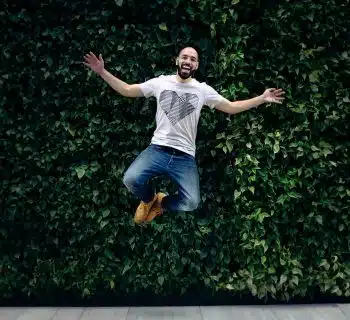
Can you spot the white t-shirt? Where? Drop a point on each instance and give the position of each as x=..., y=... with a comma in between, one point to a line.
x=178, y=110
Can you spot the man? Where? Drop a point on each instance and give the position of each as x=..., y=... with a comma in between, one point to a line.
x=172, y=149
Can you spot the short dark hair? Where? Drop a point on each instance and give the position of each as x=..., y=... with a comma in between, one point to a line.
x=193, y=47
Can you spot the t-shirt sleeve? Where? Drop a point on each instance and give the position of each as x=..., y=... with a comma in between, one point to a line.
x=149, y=87
x=211, y=97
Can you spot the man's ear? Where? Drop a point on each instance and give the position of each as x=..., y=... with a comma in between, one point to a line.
x=177, y=61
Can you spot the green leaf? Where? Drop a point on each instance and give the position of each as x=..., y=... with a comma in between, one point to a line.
x=236, y=194
x=160, y=280
x=295, y=280
x=314, y=76
x=297, y=271
x=283, y=279
x=108, y=253
x=86, y=292
x=126, y=268
x=229, y=146
x=49, y=61
x=254, y=290
x=80, y=172
x=230, y=287
x=103, y=224
x=281, y=199
x=310, y=16
x=271, y=270
x=336, y=290
x=325, y=264
x=105, y=213
x=319, y=219
x=163, y=27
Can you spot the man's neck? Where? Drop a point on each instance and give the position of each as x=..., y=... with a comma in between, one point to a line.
x=179, y=79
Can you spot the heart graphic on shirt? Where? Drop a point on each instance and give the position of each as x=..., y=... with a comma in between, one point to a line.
x=177, y=107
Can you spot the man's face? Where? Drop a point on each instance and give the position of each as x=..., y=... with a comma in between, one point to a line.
x=187, y=63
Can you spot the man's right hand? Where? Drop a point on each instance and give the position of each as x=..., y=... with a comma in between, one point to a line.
x=96, y=65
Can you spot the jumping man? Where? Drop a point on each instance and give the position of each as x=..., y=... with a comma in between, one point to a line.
x=180, y=98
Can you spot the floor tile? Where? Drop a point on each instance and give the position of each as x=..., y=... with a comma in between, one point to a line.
x=345, y=308
x=37, y=314
x=68, y=314
x=11, y=313
x=104, y=313
x=158, y=313
x=309, y=312
x=238, y=312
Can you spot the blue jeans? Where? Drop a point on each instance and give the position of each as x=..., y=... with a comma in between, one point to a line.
x=180, y=167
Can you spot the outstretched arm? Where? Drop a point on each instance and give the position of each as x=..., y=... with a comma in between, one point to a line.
x=97, y=65
x=269, y=96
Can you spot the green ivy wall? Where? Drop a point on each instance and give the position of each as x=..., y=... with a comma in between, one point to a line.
x=274, y=223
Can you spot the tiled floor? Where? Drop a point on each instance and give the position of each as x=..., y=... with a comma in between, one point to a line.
x=293, y=312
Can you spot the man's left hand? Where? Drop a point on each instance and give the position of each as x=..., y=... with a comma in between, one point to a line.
x=273, y=95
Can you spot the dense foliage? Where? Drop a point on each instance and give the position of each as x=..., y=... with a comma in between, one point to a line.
x=273, y=221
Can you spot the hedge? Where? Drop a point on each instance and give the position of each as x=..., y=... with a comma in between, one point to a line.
x=273, y=222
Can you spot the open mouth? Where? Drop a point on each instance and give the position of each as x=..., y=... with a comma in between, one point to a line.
x=185, y=68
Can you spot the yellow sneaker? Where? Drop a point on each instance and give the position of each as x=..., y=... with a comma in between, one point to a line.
x=143, y=210
x=157, y=209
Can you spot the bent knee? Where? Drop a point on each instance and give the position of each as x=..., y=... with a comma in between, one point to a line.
x=191, y=204
x=129, y=179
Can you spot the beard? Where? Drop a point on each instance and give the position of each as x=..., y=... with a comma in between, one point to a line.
x=185, y=74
